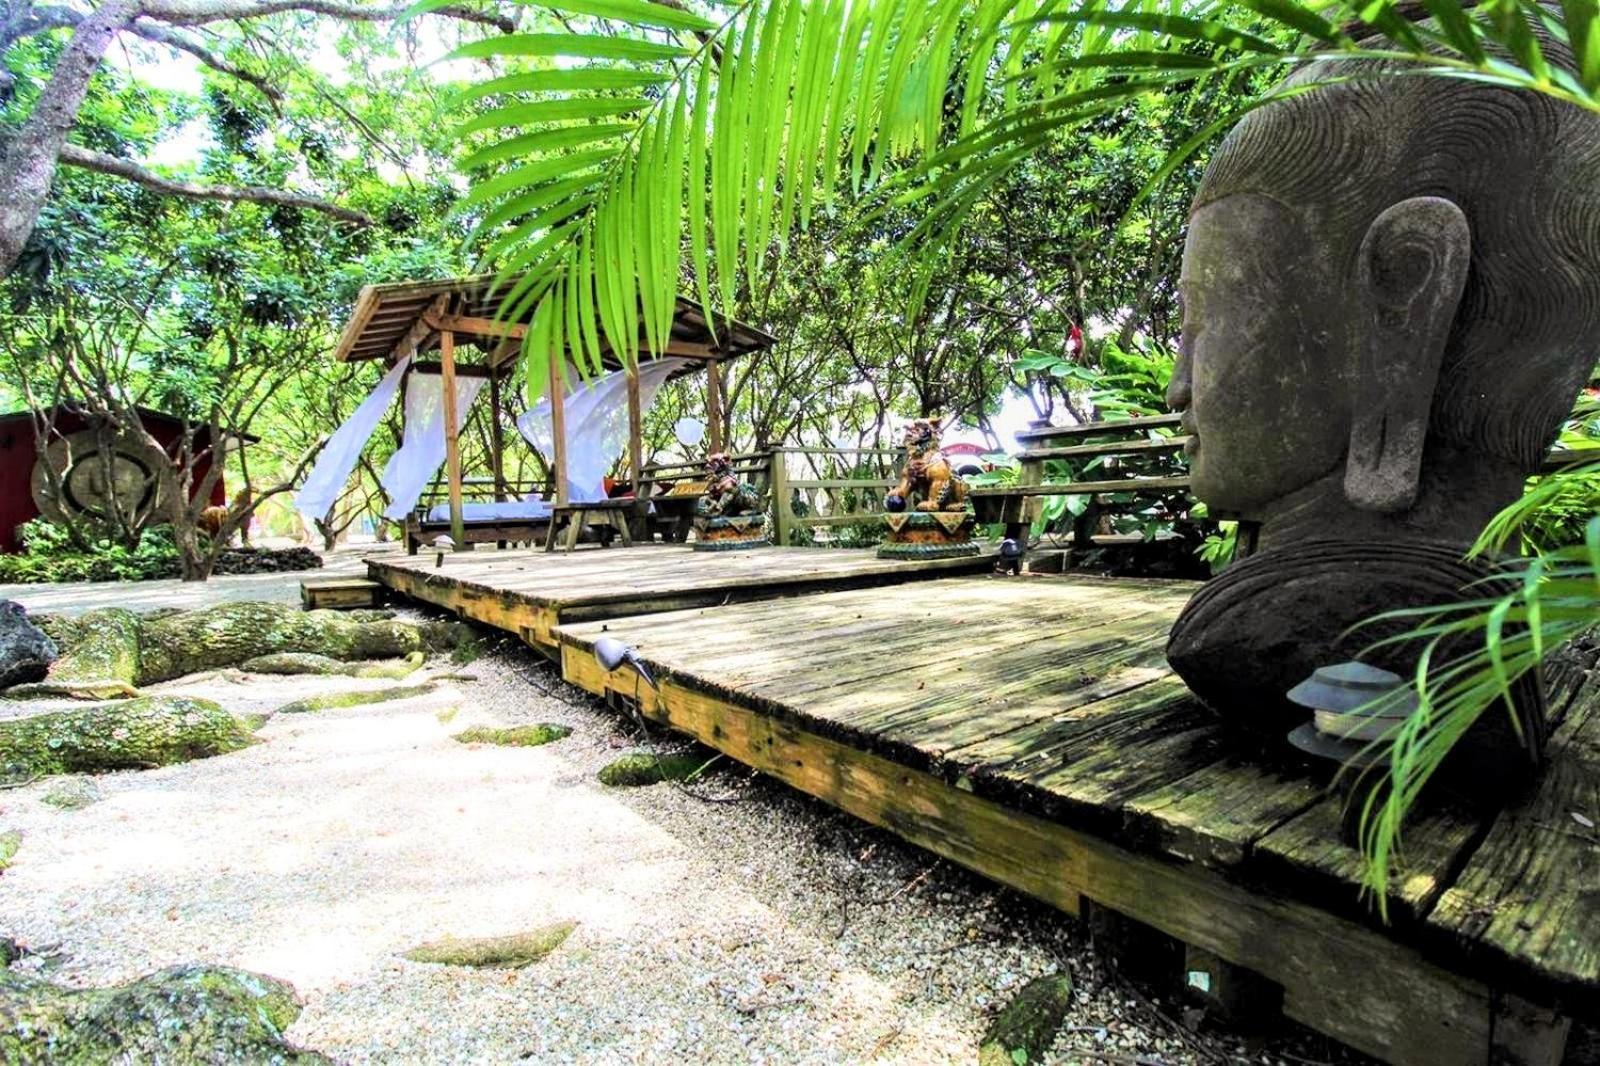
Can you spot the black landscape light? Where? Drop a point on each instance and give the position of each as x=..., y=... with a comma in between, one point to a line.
x=441, y=544
x=611, y=654
x=1010, y=561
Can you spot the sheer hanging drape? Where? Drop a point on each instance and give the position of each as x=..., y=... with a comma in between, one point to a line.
x=422, y=450
x=596, y=416
x=343, y=450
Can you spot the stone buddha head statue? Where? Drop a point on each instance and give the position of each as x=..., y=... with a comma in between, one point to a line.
x=1391, y=295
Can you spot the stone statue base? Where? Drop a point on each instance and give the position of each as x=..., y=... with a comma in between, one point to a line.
x=732, y=533
x=1265, y=623
x=928, y=535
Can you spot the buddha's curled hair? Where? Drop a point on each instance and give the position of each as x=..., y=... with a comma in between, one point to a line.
x=1522, y=166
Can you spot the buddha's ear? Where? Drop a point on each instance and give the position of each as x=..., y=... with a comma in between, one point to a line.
x=1412, y=269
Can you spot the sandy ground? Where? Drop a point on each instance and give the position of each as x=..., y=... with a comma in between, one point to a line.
x=80, y=596
x=768, y=929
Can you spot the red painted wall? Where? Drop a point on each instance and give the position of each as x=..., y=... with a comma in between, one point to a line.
x=18, y=454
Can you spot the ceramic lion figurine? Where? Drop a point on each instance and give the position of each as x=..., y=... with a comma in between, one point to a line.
x=726, y=496
x=928, y=483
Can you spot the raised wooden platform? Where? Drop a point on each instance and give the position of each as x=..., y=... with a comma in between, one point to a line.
x=1028, y=728
x=529, y=592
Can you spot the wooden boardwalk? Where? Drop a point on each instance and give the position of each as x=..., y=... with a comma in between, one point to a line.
x=530, y=592
x=1029, y=729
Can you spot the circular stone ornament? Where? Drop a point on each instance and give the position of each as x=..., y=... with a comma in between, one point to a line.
x=96, y=481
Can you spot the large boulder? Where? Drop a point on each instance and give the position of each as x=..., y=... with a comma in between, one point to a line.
x=126, y=735
x=183, y=1016
x=26, y=652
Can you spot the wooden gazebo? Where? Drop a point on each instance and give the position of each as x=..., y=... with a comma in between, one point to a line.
x=395, y=320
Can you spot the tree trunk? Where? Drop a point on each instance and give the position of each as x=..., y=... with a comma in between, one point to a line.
x=194, y=562
x=28, y=160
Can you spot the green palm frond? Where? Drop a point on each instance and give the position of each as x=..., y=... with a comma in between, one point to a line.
x=1523, y=616
x=659, y=143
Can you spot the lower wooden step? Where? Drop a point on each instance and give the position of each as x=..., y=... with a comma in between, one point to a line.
x=340, y=593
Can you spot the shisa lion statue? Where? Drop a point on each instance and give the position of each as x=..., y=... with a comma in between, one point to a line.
x=730, y=514
x=926, y=513
x=1391, y=298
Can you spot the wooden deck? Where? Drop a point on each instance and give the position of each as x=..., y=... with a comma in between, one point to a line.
x=1030, y=730
x=531, y=592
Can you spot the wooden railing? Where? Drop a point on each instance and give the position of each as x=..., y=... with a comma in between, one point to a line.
x=814, y=489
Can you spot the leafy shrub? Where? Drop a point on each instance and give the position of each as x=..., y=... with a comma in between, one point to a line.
x=49, y=555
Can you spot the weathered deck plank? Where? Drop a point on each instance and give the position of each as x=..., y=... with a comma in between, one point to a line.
x=1530, y=896
x=531, y=592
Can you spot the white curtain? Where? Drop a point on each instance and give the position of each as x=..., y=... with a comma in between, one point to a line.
x=596, y=416
x=343, y=450
x=422, y=449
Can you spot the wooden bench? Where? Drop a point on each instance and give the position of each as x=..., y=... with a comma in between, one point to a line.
x=1142, y=468
x=420, y=530
x=608, y=518
x=674, y=491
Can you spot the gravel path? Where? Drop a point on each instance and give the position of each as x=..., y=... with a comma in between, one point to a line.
x=765, y=930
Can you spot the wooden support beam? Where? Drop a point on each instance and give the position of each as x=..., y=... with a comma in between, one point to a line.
x=497, y=444
x=418, y=335
x=635, y=429
x=558, y=427
x=479, y=327
x=452, y=433
x=714, y=406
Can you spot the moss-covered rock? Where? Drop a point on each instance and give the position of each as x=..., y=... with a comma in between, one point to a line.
x=10, y=841
x=305, y=662
x=111, y=652
x=182, y=1016
x=1026, y=1027
x=517, y=736
x=99, y=654
x=336, y=700
x=71, y=793
x=232, y=633
x=646, y=768
x=493, y=952
x=130, y=734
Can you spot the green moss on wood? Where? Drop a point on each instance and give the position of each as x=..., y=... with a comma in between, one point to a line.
x=10, y=841
x=646, y=768
x=493, y=952
x=131, y=734
x=182, y=1016
x=99, y=651
x=336, y=700
x=517, y=736
x=1026, y=1027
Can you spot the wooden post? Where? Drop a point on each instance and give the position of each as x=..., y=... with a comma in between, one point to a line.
x=714, y=405
x=452, y=431
x=640, y=517
x=558, y=428
x=778, y=480
x=497, y=444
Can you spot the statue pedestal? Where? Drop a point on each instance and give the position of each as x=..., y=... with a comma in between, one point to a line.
x=928, y=535
x=731, y=533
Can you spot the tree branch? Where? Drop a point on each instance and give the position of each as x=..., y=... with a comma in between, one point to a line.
x=199, y=12
x=78, y=156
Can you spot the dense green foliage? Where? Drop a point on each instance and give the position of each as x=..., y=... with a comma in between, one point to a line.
x=48, y=554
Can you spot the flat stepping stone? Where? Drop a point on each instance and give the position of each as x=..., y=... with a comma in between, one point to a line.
x=516, y=736
x=510, y=952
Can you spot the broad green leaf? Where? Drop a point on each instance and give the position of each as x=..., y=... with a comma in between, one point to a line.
x=548, y=140
x=635, y=12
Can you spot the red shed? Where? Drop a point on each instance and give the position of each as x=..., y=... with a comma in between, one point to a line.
x=74, y=449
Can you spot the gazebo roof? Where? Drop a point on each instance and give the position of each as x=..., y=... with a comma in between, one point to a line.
x=388, y=320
